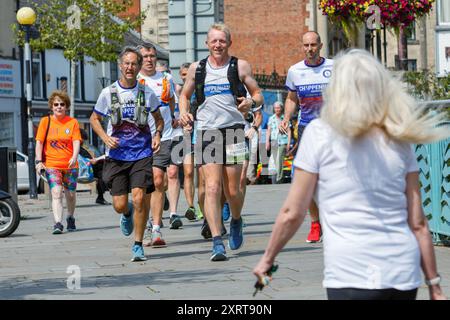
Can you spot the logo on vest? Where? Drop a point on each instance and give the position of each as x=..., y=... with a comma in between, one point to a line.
x=327, y=73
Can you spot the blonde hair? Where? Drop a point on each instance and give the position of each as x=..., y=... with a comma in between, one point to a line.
x=362, y=94
x=221, y=27
x=61, y=95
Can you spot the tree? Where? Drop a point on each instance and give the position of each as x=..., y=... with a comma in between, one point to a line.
x=395, y=14
x=81, y=28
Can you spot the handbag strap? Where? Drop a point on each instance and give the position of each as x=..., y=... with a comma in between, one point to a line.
x=45, y=138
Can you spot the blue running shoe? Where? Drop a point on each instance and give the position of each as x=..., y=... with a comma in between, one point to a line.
x=138, y=253
x=236, y=238
x=218, y=253
x=226, y=211
x=126, y=223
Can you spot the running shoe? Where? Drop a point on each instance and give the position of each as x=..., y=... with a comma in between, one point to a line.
x=138, y=253
x=175, y=222
x=126, y=223
x=58, y=228
x=190, y=214
x=236, y=237
x=71, y=224
x=206, y=231
x=218, y=252
x=315, y=233
x=199, y=214
x=226, y=212
x=157, y=240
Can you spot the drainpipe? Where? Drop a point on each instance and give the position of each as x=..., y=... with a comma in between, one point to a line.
x=190, y=40
x=423, y=44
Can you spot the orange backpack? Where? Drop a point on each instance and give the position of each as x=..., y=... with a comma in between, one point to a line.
x=165, y=94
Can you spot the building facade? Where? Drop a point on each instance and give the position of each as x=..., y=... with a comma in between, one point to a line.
x=156, y=25
x=50, y=71
x=268, y=34
x=12, y=112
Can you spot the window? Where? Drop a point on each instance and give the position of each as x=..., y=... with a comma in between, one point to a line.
x=444, y=12
x=7, y=129
x=410, y=32
x=114, y=71
x=36, y=72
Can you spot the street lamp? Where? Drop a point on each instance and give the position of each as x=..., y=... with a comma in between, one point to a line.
x=26, y=17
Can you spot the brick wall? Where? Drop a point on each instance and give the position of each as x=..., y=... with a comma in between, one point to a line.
x=132, y=11
x=267, y=33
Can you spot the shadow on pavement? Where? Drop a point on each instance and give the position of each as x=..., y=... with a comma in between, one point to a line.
x=17, y=288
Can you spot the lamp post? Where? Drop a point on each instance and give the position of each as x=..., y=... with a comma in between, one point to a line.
x=26, y=17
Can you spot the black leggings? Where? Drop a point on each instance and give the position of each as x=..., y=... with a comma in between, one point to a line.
x=370, y=294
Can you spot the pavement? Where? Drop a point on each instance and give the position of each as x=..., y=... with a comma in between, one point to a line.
x=94, y=262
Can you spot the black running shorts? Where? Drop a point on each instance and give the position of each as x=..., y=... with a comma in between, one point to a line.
x=221, y=146
x=122, y=176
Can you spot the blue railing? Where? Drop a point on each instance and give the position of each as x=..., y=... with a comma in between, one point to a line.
x=434, y=165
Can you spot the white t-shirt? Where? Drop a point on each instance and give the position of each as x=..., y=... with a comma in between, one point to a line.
x=177, y=132
x=361, y=194
x=155, y=83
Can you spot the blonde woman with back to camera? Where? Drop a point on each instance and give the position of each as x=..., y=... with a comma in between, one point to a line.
x=57, y=148
x=358, y=163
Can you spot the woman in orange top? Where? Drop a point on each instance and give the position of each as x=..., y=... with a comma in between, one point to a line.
x=57, y=148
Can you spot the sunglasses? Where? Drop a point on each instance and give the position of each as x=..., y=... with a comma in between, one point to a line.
x=62, y=104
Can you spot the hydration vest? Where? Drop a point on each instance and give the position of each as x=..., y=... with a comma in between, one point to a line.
x=237, y=87
x=140, y=113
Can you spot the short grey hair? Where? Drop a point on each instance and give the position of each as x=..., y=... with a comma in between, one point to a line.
x=278, y=103
x=147, y=46
x=129, y=49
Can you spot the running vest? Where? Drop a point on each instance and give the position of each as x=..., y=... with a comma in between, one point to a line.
x=237, y=87
x=140, y=114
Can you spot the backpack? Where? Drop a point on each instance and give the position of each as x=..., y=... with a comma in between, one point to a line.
x=237, y=87
x=140, y=113
x=166, y=89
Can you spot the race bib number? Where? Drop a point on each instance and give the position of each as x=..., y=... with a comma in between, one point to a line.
x=236, y=153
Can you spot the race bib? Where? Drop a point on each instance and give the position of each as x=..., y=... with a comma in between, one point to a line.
x=236, y=153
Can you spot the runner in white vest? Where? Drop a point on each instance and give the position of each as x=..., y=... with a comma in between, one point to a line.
x=220, y=139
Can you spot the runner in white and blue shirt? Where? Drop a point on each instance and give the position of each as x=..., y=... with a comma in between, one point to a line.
x=134, y=142
x=308, y=82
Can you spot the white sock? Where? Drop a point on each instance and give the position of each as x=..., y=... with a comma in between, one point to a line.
x=172, y=213
x=156, y=227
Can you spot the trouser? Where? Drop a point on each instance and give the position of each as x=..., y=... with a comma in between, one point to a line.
x=280, y=153
x=370, y=294
x=253, y=158
x=98, y=173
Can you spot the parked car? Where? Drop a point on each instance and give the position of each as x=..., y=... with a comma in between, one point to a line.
x=23, y=181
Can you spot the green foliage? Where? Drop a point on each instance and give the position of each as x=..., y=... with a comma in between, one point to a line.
x=52, y=17
x=426, y=86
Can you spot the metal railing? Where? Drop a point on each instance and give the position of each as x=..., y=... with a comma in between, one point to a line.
x=434, y=175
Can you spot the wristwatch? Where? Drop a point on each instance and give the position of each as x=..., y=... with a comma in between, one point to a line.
x=160, y=132
x=434, y=281
x=37, y=162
